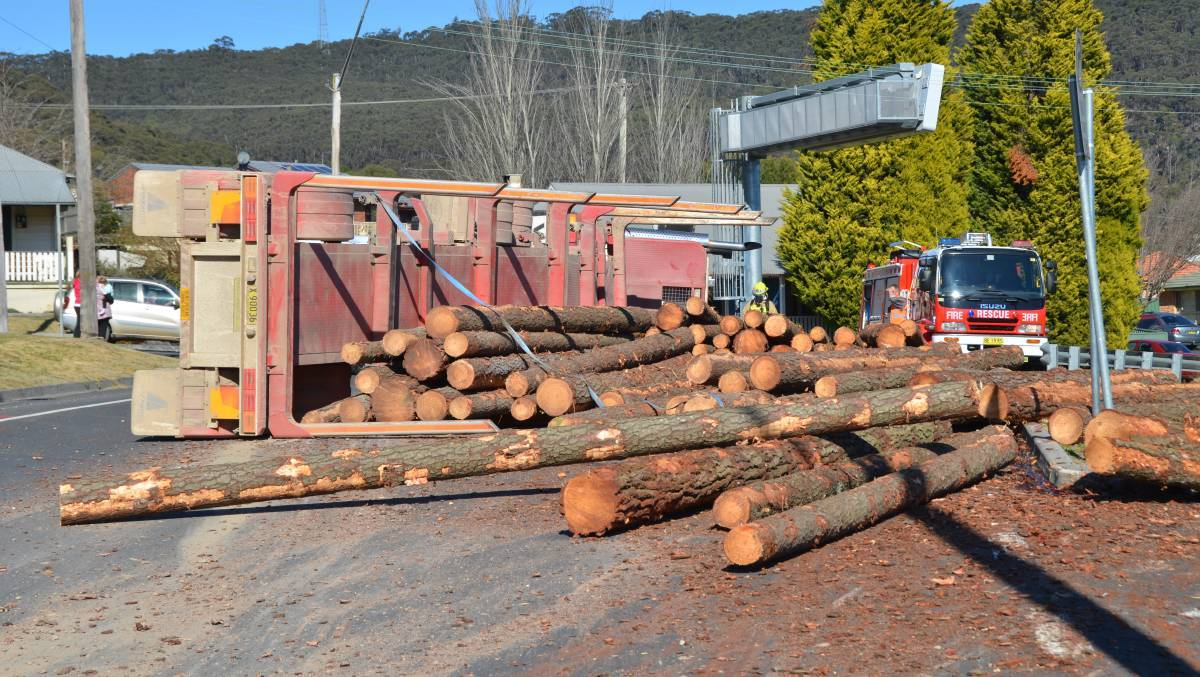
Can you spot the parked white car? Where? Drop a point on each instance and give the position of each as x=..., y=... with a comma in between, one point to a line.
x=142, y=309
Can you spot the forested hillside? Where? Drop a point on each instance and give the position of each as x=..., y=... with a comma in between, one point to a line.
x=1154, y=40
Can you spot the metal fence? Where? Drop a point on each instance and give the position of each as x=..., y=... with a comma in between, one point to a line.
x=808, y=321
x=1075, y=357
x=728, y=279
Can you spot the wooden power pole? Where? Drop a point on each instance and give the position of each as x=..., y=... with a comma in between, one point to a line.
x=83, y=175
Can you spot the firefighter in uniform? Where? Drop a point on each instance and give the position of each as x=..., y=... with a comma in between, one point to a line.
x=760, y=302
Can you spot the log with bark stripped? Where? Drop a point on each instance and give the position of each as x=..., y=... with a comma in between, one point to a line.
x=352, y=465
x=759, y=499
x=805, y=527
x=445, y=320
x=491, y=343
x=1145, y=448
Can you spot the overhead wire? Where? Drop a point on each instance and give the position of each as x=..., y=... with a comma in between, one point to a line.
x=47, y=45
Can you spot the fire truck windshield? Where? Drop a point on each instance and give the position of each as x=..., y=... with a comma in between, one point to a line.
x=991, y=274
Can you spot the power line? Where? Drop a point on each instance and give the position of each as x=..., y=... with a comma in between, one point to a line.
x=52, y=49
x=350, y=52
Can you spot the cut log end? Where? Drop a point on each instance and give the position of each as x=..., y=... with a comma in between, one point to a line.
x=782, y=349
x=354, y=409
x=367, y=380
x=695, y=306
x=1066, y=425
x=818, y=334
x=701, y=349
x=753, y=319
x=993, y=402
x=699, y=370
x=524, y=408
x=590, y=502
x=612, y=398
x=432, y=406
x=765, y=373
x=722, y=342
x=744, y=545
x=456, y=344
x=730, y=325
x=802, y=343
x=461, y=375
x=732, y=508
x=826, y=386
x=516, y=384
x=924, y=378
x=460, y=408
x=441, y=322
x=555, y=396
x=844, y=336
x=733, y=382
x=670, y=316
x=750, y=341
x=352, y=353
x=424, y=359
x=396, y=341
x=776, y=326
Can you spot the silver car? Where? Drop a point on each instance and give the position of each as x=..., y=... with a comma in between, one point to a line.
x=142, y=309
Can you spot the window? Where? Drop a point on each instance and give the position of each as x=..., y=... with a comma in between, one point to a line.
x=125, y=291
x=1148, y=323
x=156, y=295
x=1176, y=321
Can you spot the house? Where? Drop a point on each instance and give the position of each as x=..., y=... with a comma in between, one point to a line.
x=727, y=297
x=120, y=185
x=1182, y=291
x=34, y=199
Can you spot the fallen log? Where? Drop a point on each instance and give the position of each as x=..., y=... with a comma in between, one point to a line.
x=355, y=409
x=558, y=396
x=443, y=321
x=635, y=409
x=880, y=335
x=703, y=401
x=485, y=373
x=743, y=504
x=750, y=341
x=368, y=378
x=792, y=371
x=492, y=344
x=1039, y=399
x=708, y=369
x=387, y=463
x=1067, y=425
x=1147, y=449
x=952, y=370
x=434, y=404
x=325, y=414
x=396, y=341
x=424, y=359
x=805, y=527
x=833, y=385
x=490, y=404
x=965, y=367
x=360, y=352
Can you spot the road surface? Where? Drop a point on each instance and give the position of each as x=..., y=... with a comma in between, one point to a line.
x=477, y=576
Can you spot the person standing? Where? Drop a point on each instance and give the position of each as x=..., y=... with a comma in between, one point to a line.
x=760, y=302
x=72, y=299
x=104, y=301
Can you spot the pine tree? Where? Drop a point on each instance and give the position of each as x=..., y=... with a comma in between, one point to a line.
x=850, y=203
x=1024, y=184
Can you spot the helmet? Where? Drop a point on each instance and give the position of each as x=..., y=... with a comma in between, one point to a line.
x=760, y=289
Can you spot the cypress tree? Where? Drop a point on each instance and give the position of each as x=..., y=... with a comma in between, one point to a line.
x=850, y=203
x=1023, y=184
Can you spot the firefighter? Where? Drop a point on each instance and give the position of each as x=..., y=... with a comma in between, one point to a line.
x=760, y=302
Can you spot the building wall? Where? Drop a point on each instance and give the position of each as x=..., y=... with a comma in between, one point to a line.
x=32, y=298
x=38, y=233
x=120, y=187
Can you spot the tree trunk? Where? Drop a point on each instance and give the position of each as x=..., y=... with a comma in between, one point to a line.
x=368, y=378
x=779, y=327
x=558, y=396
x=703, y=401
x=424, y=359
x=396, y=341
x=858, y=381
x=755, y=501
x=485, y=373
x=434, y=404
x=356, y=409
x=635, y=409
x=492, y=344
x=491, y=404
x=445, y=320
x=802, y=528
x=753, y=319
x=882, y=335
x=916, y=374
x=1038, y=399
x=730, y=325
x=750, y=341
x=844, y=336
x=383, y=463
x=638, y=352
x=1146, y=448
x=361, y=352
x=785, y=372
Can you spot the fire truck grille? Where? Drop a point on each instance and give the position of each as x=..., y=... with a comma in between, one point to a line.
x=678, y=295
x=992, y=325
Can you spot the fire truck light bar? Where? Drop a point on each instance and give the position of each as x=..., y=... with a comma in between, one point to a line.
x=949, y=242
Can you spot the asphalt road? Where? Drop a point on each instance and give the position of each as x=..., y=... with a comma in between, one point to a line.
x=476, y=576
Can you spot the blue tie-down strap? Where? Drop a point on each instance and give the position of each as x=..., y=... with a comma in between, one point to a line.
x=402, y=228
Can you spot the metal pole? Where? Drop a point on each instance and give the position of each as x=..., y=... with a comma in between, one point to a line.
x=335, y=161
x=1099, y=344
x=83, y=175
x=622, y=147
x=752, y=191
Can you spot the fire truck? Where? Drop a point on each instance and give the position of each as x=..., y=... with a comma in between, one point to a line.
x=965, y=291
x=279, y=270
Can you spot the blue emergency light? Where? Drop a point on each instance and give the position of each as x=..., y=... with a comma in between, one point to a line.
x=949, y=242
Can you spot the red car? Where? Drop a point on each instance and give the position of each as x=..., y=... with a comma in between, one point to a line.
x=1166, y=348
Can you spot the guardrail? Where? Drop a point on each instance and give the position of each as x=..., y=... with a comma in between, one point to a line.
x=1075, y=357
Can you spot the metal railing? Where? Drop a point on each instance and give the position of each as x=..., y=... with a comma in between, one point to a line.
x=808, y=321
x=33, y=266
x=1075, y=357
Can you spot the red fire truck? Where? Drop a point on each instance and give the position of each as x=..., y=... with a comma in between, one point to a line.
x=965, y=291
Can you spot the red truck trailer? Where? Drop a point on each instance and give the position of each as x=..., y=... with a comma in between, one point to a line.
x=278, y=271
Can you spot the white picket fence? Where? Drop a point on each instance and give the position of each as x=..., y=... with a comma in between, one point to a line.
x=33, y=266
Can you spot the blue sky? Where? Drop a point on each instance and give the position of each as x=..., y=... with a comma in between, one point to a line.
x=122, y=27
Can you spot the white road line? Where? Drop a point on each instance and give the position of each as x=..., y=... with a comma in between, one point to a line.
x=4, y=419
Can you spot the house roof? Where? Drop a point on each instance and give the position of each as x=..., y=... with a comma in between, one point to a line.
x=24, y=180
x=772, y=204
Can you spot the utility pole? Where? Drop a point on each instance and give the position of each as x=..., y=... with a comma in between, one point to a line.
x=336, y=155
x=623, y=143
x=1085, y=161
x=83, y=175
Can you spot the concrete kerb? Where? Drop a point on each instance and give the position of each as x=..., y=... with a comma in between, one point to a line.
x=1058, y=466
x=60, y=389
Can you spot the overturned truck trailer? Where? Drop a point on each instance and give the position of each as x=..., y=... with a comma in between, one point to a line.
x=279, y=271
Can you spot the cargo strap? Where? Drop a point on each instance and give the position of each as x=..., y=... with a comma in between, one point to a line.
x=402, y=228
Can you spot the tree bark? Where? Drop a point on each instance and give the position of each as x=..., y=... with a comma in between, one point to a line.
x=750, y=341
x=730, y=325
x=386, y=462
x=1148, y=449
x=957, y=370
x=424, y=359
x=882, y=335
x=642, y=490
x=1039, y=399
x=361, y=352
x=757, y=500
x=445, y=320
x=325, y=414
x=802, y=528
x=922, y=373
x=704, y=401
x=558, y=396
x=492, y=344
x=485, y=373
x=634, y=353
x=491, y=404
x=785, y=372
x=635, y=409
